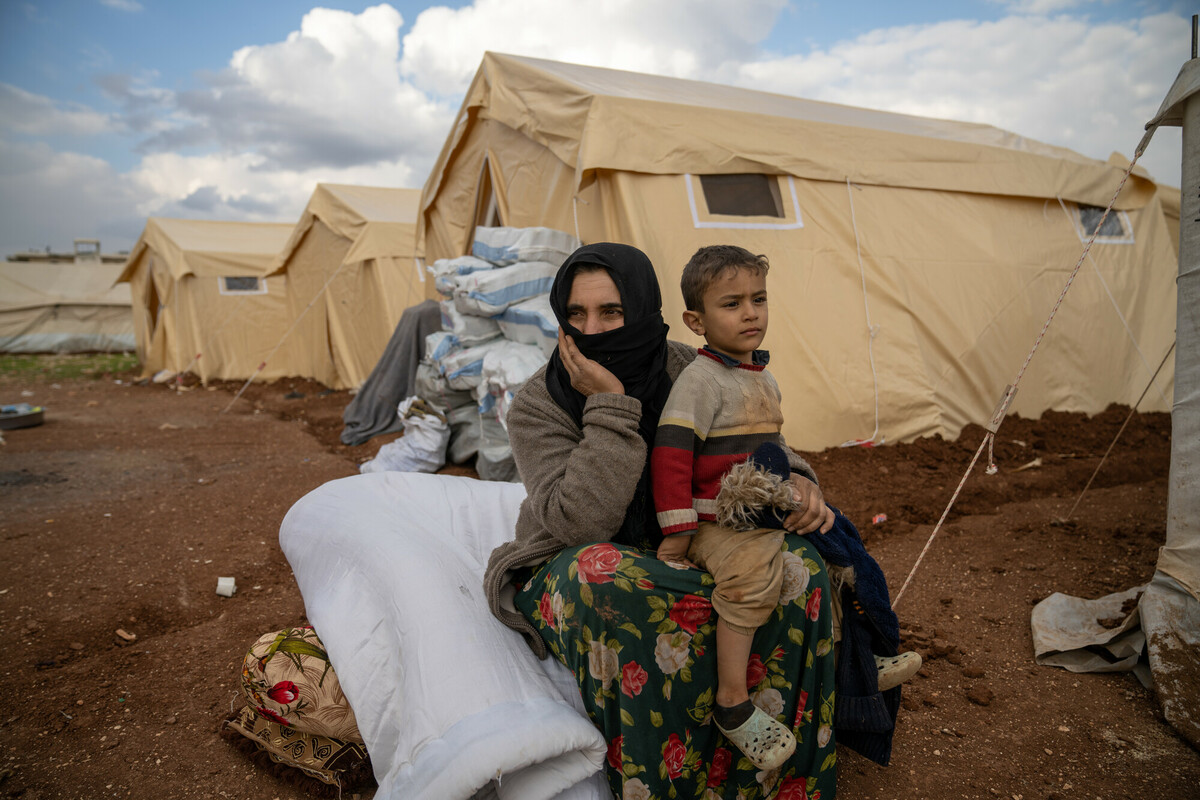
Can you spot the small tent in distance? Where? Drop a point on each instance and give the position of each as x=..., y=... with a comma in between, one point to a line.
x=202, y=301
x=914, y=260
x=64, y=307
x=351, y=271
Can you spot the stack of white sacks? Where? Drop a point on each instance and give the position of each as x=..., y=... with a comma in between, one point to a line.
x=497, y=330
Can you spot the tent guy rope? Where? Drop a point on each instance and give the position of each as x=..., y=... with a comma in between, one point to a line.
x=1121, y=430
x=1010, y=391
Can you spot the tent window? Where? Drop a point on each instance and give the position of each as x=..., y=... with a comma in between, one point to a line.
x=243, y=284
x=1115, y=229
x=747, y=201
x=745, y=195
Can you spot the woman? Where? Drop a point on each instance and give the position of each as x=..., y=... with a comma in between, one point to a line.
x=581, y=580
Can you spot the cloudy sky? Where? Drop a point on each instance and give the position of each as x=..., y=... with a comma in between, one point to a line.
x=115, y=110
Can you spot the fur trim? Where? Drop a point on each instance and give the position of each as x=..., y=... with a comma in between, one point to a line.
x=745, y=491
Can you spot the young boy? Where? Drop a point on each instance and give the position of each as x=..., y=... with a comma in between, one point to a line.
x=724, y=408
x=721, y=408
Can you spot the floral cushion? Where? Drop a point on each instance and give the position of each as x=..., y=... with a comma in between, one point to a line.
x=288, y=679
x=295, y=710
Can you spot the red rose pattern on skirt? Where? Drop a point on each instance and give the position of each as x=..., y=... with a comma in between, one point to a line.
x=639, y=635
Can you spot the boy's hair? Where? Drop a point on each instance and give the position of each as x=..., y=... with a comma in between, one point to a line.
x=709, y=263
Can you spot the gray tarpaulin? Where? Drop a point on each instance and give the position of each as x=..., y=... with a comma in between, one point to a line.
x=1102, y=635
x=373, y=410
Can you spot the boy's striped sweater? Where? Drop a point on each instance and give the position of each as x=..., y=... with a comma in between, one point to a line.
x=719, y=411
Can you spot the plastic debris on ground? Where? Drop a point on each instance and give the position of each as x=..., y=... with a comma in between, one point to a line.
x=20, y=415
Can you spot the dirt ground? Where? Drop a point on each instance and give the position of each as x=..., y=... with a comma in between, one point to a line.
x=123, y=509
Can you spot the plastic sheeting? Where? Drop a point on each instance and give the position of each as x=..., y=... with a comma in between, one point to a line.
x=1101, y=635
x=64, y=308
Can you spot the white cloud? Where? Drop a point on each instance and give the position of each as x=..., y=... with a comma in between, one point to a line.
x=243, y=186
x=53, y=197
x=1087, y=87
x=326, y=104
x=34, y=115
x=122, y=5
x=1042, y=7
x=330, y=95
x=680, y=38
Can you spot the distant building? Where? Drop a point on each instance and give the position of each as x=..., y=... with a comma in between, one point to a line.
x=86, y=251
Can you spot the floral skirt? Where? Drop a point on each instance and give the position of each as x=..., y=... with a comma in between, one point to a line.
x=639, y=635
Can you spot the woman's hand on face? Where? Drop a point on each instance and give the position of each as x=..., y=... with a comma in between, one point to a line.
x=587, y=376
x=813, y=514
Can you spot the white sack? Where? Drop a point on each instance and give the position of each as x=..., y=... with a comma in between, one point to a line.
x=464, y=368
x=495, y=460
x=488, y=293
x=431, y=386
x=422, y=448
x=509, y=365
x=505, y=371
x=391, y=570
x=469, y=330
x=438, y=345
x=464, y=431
x=531, y=321
x=446, y=271
x=503, y=246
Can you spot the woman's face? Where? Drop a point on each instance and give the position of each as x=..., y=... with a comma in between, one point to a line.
x=594, y=304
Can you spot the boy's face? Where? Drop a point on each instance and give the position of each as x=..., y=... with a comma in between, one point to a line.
x=734, y=318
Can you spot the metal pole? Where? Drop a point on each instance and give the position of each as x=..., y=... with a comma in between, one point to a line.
x=1170, y=605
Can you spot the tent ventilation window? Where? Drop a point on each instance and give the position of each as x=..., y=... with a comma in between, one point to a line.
x=746, y=200
x=1115, y=229
x=746, y=195
x=243, y=284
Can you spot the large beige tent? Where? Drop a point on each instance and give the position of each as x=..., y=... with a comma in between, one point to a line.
x=64, y=308
x=351, y=271
x=914, y=261
x=202, y=301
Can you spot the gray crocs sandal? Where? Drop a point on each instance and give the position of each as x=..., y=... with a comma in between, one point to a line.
x=896, y=669
x=765, y=741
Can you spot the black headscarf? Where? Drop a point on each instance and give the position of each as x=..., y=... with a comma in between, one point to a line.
x=636, y=353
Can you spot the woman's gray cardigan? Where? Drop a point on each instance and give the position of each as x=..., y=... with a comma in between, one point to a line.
x=579, y=482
